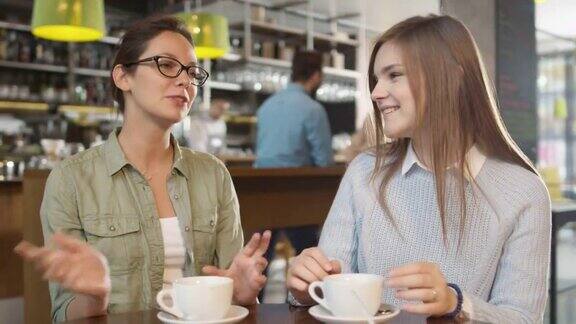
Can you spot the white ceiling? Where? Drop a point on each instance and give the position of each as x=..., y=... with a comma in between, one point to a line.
x=380, y=14
x=557, y=17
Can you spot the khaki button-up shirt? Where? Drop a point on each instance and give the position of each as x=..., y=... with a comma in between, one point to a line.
x=98, y=197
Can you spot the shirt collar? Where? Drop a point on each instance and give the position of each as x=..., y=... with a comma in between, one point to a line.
x=116, y=160
x=295, y=86
x=474, y=157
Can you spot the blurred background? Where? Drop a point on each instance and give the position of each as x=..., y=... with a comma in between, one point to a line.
x=55, y=96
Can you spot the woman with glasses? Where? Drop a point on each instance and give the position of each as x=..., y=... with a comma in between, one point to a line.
x=124, y=219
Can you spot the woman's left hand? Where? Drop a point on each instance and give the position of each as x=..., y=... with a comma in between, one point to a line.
x=424, y=282
x=246, y=270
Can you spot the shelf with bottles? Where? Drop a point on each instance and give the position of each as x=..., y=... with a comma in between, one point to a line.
x=262, y=78
x=328, y=71
x=32, y=86
x=19, y=49
x=275, y=30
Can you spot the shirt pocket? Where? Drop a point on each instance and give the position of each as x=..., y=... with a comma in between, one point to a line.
x=204, y=232
x=117, y=237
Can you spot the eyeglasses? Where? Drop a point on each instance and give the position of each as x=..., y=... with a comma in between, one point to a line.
x=171, y=68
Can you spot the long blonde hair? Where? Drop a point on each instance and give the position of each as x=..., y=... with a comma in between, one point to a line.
x=455, y=106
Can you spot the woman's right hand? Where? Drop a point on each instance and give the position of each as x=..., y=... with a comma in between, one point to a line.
x=311, y=265
x=73, y=264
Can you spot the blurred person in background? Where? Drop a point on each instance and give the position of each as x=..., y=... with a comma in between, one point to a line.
x=208, y=129
x=294, y=131
x=293, y=128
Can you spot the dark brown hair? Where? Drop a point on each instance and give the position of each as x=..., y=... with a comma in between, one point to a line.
x=135, y=41
x=455, y=106
x=304, y=64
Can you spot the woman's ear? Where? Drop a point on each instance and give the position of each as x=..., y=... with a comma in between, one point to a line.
x=120, y=77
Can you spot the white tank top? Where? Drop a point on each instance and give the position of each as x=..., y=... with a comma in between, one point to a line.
x=174, y=250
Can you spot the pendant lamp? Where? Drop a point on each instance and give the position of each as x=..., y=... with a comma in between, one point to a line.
x=210, y=33
x=68, y=20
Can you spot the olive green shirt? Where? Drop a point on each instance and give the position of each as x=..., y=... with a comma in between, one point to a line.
x=99, y=197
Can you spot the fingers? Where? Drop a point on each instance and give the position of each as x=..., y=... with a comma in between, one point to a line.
x=259, y=281
x=336, y=267
x=261, y=264
x=264, y=243
x=26, y=249
x=252, y=245
x=213, y=271
x=302, y=273
x=414, y=268
x=425, y=295
x=295, y=283
x=411, y=281
x=317, y=255
x=68, y=243
x=314, y=267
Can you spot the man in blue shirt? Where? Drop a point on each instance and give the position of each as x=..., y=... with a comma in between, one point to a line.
x=293, y=131
x=293, y=128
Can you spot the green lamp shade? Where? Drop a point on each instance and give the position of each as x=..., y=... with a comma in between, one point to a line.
x=68, y=20
x=210, y=33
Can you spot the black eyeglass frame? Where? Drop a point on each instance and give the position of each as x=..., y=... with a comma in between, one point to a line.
x=183, y=67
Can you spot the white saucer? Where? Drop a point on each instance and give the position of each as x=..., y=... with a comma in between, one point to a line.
x=385, y=313
x=235, y=314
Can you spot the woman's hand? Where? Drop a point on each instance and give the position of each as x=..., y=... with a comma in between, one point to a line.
x=423, y=282
x=246, y=270
x=73, y=264
x=311, y=265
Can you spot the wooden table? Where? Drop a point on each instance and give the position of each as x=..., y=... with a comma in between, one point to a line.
x=263, y=313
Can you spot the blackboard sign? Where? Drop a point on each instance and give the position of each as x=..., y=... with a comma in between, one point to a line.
x=516, y=71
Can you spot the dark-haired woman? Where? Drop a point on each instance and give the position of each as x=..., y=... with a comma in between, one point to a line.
x=130, y=216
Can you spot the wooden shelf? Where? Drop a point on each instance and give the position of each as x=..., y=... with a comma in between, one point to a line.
x=268, y=61
x=330, y=71
x=14, y=26
x=241, y=119
x=92, y=72
x=81, y=109
x=26, y=28
x=333, y=40
x=224, y=86
x=343, y=73
x=265, y=28
x=23, y=105
x=110, y=40
x=269, y=29
x=34, y=66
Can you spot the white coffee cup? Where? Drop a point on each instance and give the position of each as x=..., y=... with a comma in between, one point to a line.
x=339, y=298
x=198, y=298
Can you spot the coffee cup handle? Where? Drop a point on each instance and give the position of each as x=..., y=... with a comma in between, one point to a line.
x=172, y=310
x=312, y=291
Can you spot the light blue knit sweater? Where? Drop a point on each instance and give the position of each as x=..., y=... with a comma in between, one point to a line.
x=502, y=267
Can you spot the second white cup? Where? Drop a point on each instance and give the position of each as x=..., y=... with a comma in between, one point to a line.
x=198, y=298
x=345, y=295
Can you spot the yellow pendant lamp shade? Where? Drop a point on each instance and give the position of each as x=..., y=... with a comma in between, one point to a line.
x=210, y=33
x=68, y=20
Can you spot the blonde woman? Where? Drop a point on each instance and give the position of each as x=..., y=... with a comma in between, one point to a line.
x=450, y=212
